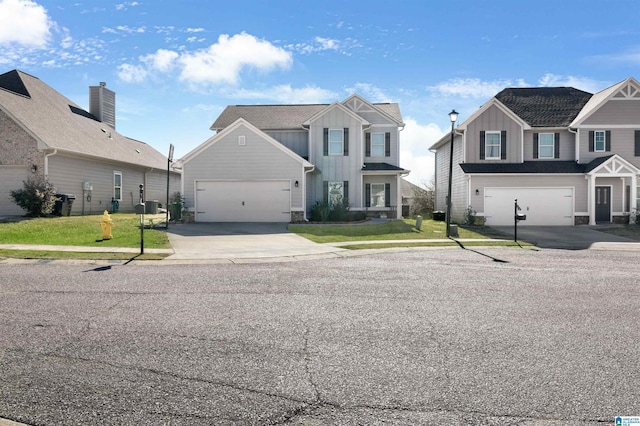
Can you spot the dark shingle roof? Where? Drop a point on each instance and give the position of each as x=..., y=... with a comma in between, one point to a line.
x=12, y=82
x=278, y=117
x=545, y=106
x=375, y=167
x=548, y=167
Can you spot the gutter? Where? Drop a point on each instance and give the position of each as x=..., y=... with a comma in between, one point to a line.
x=46, y=162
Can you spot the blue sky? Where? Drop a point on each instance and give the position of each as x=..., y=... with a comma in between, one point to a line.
x=174, y=65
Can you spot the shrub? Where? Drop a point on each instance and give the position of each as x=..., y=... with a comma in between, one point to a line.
x=319, y=212
x=37, y=197
x=339, y=211
x=470, y=216
x=176, y=203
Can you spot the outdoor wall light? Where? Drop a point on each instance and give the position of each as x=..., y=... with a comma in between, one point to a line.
x=477, y=192
x=296, y=184
x=34, y=168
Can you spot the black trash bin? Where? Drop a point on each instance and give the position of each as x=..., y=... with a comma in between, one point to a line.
x=439, y=215
x=61, y=202
x=70, y=199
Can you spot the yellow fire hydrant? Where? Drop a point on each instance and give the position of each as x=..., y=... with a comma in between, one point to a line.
x=106, y=223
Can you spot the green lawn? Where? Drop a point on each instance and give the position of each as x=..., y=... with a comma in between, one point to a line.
x=393, y=230
x=83, y=231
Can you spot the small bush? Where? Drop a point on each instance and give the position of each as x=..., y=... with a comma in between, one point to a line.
x=37, y=197
x=470, y=216
x=338, y=212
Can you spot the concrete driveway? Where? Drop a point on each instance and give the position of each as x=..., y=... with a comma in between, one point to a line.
x=237, y=241
x=581, y=237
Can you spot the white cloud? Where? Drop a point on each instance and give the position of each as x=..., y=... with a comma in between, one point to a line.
x=126, y=5
x=163, y=60
x=195, y=30
x=369, y=92
x=131, y=73
x=25, y=23
x=415, y=141
x=319, y=44
x=287, y=95
x=583, y=83
x=223, y=61
x=473, y=87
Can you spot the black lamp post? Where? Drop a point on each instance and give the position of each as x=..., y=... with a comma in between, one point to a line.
x=453, y=116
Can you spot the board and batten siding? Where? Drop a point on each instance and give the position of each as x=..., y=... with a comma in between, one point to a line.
x=257, y=159
x=459, y=181
x=338, y=168
x=493, y=119
x=481, y=182
x=394, y=157
x=296, y=141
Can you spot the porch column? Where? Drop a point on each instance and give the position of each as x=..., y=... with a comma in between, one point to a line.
x=592, y=200
x=632, y=199
x=398, y=197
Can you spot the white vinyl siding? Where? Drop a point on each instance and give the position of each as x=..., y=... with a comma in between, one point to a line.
x=492, y=145
x=546, y=145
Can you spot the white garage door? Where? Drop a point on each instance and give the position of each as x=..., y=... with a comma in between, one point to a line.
x=11, y=178
x=243, y=201
x=543, y=206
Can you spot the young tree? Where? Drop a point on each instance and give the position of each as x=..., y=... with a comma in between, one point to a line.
x=422, y=201
x=37, y=197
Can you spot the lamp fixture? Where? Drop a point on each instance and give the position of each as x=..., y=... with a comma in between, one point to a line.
x=296, y=184
x=34, y=168
x=453, y=116
x=477, y=192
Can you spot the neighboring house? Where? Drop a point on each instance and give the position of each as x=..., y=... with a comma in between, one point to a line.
x=44, y=134
x=273, y=163
x=567, y=156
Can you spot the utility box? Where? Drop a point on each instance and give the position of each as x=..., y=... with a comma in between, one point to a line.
x=151, y=207
x=453, y=231
x=418, y=222
x=439, y=216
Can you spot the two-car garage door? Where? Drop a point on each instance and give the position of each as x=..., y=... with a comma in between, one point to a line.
x=243, y=201
x=543, y=206
x=11, y=178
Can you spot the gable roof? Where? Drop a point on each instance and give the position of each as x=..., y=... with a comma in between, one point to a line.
x=545, y=106
x=240, y=122
x=336, y=105
x=58, y=123
x=285, y=117
x=388, y=110
x=545, y=167
x=602, y=96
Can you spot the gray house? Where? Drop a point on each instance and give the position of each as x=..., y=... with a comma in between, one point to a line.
x=44, y=134
x=567, y=156
x=273, y=163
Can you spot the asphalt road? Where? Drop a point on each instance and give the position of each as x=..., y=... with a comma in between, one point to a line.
x=486, y=336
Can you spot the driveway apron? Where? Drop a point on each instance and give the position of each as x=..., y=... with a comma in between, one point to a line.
x=580, y=237
x=203, y=241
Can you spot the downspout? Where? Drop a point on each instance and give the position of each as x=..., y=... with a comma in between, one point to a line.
x=46, y=162
x=304, y=193
x=591, y=182
x=576, y=140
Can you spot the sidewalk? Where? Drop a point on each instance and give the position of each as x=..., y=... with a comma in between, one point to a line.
x=87, y=249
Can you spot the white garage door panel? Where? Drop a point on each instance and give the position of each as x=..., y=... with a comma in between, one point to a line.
x=11, y=178
x=543, y=206
x=243, y=201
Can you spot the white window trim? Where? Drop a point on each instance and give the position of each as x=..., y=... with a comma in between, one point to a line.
x=378, y=144
x=341, y=142
x=383, y=195
x=553, y=145
x=114, y=185
x=486, y=145
x=604, y=141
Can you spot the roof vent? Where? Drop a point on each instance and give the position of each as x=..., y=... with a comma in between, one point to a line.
x=102, y=104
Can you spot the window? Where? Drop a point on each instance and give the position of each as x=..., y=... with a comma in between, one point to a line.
x=336, y=193
x=377, y=195
x=377, y=145
x=546, y=145
x=492, y=144
x=117, y=186
x=335, y=141
x=599, y=140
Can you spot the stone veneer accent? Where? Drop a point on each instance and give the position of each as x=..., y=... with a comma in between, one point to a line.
x=581, y=220
x=297, y=217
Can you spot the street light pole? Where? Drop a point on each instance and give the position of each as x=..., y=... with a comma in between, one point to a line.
x=453, y=116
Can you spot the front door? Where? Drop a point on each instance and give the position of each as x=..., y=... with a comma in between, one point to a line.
x=603, y=204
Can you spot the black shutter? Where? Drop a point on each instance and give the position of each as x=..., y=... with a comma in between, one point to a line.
x=591, y=141
x=387, y=144
x=346, y=142
x=637, y=141
x=482, y=147
x=503, y=145
x=535, y=145
x=367, y=195
x=367, y=144
x=325, y=191
x=556, y=145
x=325, y=141
x=345, y=190
x=387, y=195
x=607, y=140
